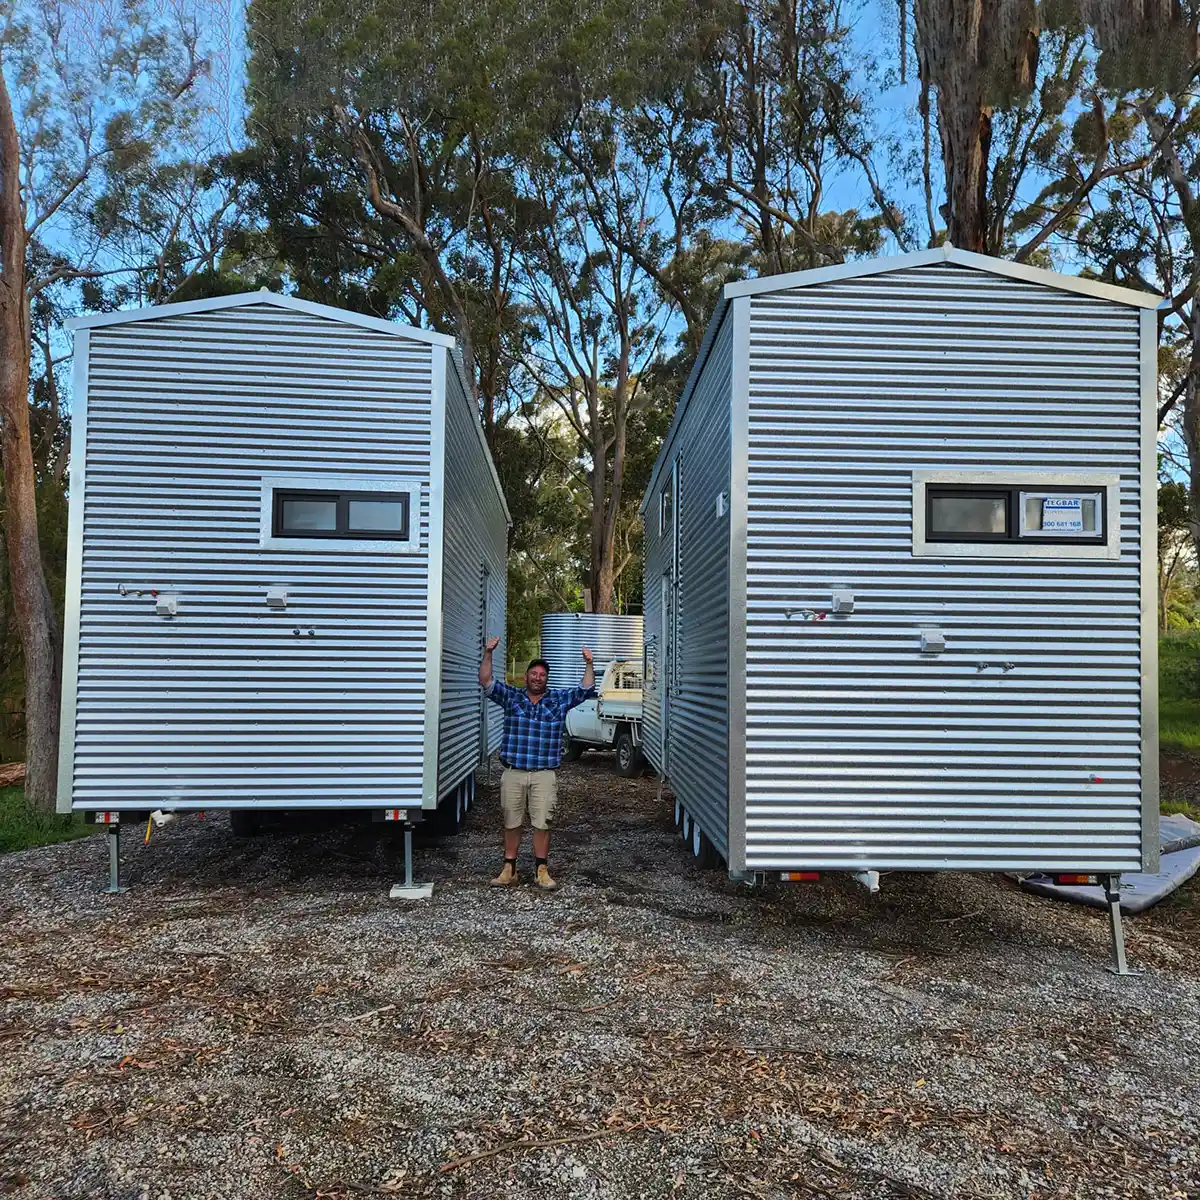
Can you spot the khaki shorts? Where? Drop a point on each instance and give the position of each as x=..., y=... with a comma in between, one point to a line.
x=534, y=792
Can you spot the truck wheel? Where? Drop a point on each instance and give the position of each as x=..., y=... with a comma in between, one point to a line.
x=572, y=750
x=629, y=757
x=243, y=823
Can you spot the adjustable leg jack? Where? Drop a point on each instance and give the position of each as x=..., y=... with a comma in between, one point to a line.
x=114, y=860
x=1112, y=894
x=409, y=890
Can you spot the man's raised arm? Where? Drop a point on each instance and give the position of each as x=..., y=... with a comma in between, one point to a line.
x=589, y=672
x=485, y=667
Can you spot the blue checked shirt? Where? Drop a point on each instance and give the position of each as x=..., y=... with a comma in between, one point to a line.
x=533, y=733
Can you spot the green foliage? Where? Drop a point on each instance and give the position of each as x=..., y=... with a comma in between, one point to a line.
x=21, y=827
x=1179, y=692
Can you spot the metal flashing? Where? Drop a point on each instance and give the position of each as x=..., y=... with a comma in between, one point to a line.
x=1149, y=591
x=861, y=269
x=71, y=614
x=436, y=559
x=158, y=312
x=739, y=468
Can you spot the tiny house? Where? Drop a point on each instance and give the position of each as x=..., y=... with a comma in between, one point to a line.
x=900, y=574
x=287, y=541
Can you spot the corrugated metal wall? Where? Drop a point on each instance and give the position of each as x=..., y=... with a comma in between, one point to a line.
x=859, y=752
x=656, y=551
x=698, y=749
x=475, y=558
x=609, y=636
x=223, y=704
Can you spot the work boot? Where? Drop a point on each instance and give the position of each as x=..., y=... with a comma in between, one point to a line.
x=544, y=879
x=508, y=876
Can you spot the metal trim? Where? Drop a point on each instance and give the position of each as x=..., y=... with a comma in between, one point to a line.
x=69, y=696
x=739, y=467
x=437, y=537
x=1149, y=591
x=156, y=312
x=948, y=254
x=1108, y=480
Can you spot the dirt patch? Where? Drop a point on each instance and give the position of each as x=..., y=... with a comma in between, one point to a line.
x=254, y=1019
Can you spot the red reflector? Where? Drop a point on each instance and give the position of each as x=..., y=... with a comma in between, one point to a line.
x=1076, y=879
x=107, y=818
x=800, y=876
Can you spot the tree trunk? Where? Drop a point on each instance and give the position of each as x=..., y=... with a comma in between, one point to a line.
x=949, y=39
x=974, y=53
x=32, y=607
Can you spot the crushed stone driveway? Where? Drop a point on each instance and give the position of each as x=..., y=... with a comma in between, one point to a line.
x=256, y=1019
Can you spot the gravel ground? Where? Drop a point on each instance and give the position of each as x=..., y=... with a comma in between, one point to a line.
x=255, y=1019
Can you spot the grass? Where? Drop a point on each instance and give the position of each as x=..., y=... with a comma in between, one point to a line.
x=1179, y=693
x=21, y=827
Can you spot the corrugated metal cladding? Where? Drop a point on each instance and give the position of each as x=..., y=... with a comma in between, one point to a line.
x=475, y=588
x=223, y=704
x=609, y=636
x=656, y=559
x=697, y=688
x=860, y=753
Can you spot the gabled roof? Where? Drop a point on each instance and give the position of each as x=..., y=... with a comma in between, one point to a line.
x=945, y=253
x=158, y=312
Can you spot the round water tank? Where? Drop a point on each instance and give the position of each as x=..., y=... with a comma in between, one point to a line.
x=608, y=636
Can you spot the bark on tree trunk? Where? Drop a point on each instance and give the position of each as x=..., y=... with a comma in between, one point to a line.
x=32, y=606
x=971, y=52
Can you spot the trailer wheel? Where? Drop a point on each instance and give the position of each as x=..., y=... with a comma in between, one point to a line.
x=629, y=757
x=572, y=750
x=448, y=815
x=243, y=823
x=703, y=851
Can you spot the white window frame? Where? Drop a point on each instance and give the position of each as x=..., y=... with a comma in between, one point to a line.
x=1029, y=483
x=339, y=483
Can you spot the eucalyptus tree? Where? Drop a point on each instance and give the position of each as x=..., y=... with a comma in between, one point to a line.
x=1023, y=100
x=88, y=93
x=788, y=108
x=383, y=135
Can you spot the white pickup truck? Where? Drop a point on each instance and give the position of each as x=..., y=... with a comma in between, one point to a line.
x=613, y=720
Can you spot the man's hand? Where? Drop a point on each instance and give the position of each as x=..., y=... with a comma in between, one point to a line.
x=587, y=657
x=485, y=667
x=589, y=674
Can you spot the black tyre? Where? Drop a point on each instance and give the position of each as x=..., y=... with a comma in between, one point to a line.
x=703, y=851
x=629, y=757
x=448, y=816
x=243, y=823
x=572, y=750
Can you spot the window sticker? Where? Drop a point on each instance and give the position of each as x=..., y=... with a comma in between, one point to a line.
x=1062, y=514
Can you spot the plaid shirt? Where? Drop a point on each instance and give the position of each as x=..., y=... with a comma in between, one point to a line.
x=533, y=733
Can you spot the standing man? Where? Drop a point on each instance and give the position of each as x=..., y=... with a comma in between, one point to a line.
x=531, y=751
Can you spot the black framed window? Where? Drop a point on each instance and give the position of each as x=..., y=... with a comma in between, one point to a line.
x=344, y=515
x=1020, y=513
